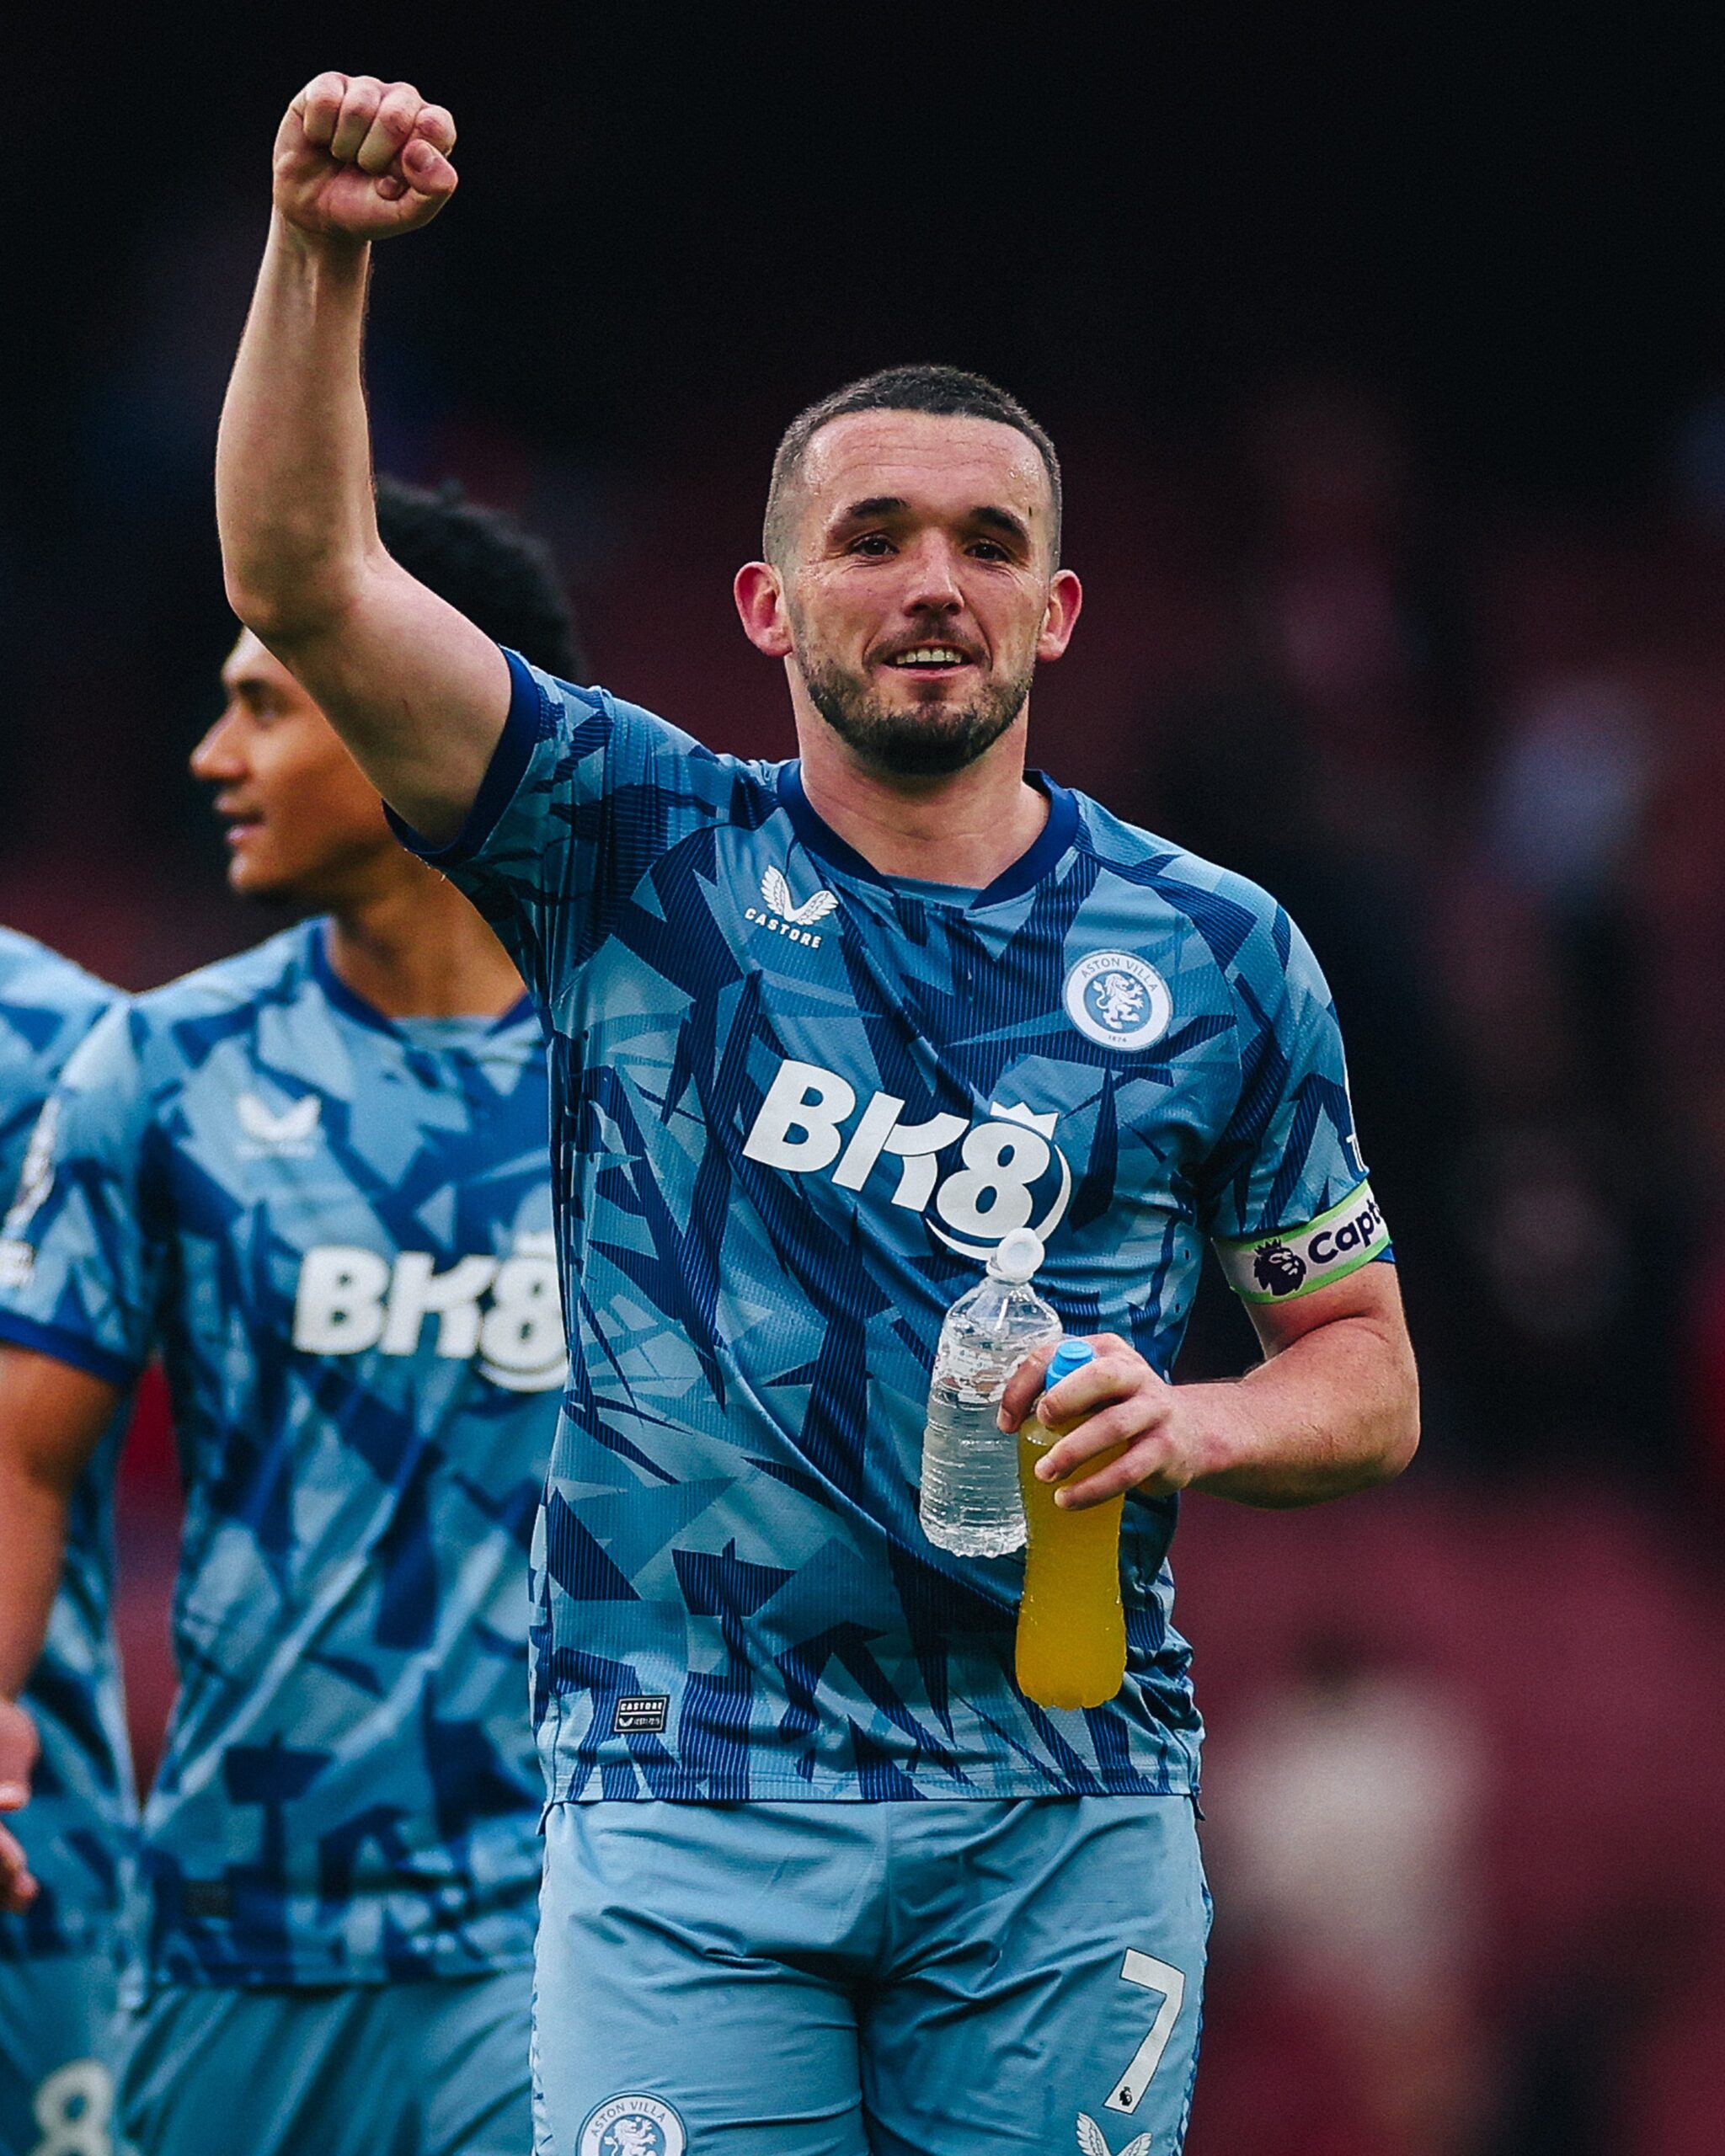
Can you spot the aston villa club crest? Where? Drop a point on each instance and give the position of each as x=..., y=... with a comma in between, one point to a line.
x=1118, y=1001
x=633, y=2125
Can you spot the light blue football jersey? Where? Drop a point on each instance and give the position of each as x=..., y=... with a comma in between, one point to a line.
x=336, y=1228
x=795, y=1106
x=82, y=1816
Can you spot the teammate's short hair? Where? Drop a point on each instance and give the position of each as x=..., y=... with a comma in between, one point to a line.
x=948, y=392
x=486, y=564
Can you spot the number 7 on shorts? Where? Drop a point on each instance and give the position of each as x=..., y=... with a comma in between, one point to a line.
x=1155, y=1976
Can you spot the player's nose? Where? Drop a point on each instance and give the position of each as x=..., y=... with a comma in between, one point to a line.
x=218, y=757
x=933, y=583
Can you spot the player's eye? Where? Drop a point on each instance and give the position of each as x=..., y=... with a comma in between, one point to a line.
x=989, y=550
x=874, y=544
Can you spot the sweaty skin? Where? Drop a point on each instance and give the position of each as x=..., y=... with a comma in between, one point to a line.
x=911, y=531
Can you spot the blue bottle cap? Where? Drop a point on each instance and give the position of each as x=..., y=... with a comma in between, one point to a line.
x=1070, y=1355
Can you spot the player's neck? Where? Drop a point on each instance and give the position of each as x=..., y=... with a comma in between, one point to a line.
x=416, y=949
x=963, y=828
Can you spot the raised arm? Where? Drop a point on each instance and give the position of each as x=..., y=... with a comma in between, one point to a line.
x=51, y=1419
x=419, y=693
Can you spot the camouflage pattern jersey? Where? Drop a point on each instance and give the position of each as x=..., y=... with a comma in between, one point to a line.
x=336, y=1228
x=795, y=1104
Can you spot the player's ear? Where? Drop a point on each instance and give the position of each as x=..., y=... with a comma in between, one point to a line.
x=760, y=604
x=1065, y=597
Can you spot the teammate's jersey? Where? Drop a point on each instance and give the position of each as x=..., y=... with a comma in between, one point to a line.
x=82, y=1817
x=795, y=1105
x=338, y=1228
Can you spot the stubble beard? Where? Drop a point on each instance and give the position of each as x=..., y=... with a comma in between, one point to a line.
x=927, y=741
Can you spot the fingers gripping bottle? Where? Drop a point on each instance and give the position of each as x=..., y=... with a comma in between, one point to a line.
x=1071, y=1630
x=971, y=1503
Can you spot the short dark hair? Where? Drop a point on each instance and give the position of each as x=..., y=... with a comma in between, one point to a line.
x=485, y=563
x=948, y=392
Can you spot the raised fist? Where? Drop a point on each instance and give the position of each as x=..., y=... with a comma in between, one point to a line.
x=361, y=159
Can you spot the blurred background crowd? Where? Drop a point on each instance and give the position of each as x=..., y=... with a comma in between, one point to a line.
x=1388, y=367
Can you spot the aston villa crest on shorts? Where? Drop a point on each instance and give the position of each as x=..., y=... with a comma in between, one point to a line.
x=633, y=2125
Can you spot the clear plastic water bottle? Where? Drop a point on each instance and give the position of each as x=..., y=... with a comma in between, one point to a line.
x=970, y=1502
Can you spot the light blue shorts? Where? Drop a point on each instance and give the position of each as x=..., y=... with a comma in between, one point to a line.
x=438, y=2068
x=936, y=1978
x=57, y=2047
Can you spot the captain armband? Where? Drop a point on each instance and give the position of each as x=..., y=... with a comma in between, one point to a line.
x=1295, y=1260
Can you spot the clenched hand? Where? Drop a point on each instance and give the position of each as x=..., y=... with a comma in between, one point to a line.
x=358, y=159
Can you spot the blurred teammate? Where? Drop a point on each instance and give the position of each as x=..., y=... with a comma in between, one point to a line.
x=818, y=1877
x=315, y=1176
x=63, y=1864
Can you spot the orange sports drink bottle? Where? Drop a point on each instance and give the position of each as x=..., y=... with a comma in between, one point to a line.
x=1071, y=1630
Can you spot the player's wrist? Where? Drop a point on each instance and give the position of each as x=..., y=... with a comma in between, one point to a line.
x=318, y=247
x=1217, y=1432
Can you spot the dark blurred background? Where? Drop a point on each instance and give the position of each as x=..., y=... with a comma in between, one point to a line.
x=1387, y=354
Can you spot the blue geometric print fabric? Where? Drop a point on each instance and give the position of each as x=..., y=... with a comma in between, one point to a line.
x=337, y=1230
x=83, y=1815
x=795, y=1106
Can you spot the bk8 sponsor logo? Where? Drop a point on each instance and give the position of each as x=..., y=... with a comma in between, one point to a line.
x=1006, y=1173
x=503, y=1313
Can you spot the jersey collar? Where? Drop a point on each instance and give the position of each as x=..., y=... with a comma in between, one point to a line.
x=348, y=1000
x=820, y=839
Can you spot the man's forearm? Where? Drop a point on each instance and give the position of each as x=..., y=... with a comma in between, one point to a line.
x=1334, y=1411
x=31, y=1554
x=293, y=473
x=35, y=1514
x=51, y=1420
x=418, y=694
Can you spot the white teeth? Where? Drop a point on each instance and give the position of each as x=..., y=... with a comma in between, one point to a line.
x=937, y=654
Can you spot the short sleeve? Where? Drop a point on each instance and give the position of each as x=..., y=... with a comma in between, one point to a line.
x=1285, y=1195
x=78, y=1265
x=583, y=793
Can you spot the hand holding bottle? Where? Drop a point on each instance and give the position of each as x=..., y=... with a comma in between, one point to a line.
x=1071, y=1644
x=1159, y=1438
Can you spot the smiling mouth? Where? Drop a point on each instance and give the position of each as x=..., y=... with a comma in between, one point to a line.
x=929, y=659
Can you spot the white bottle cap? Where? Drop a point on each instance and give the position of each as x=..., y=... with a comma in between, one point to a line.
x=1016, y=1255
